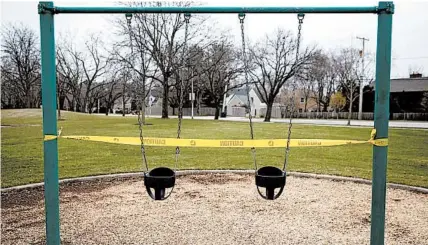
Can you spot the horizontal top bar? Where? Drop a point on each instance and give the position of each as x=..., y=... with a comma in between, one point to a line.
x=212, y=10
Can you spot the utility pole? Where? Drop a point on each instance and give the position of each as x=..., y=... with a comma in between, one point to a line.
x=361, y=78
x=192, y=95
x=223, y=109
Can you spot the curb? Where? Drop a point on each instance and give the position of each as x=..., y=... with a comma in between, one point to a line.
x=200, y=172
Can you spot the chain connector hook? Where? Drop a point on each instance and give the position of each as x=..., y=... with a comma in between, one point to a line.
x=300, y=17
x=187, y=17
x=128, y=17
x=241, y=17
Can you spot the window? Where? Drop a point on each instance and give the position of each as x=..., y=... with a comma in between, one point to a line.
x=300, y=110
x=252, y=100
x=302, y=100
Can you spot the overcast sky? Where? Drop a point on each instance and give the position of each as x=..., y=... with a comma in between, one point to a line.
x=329, y=31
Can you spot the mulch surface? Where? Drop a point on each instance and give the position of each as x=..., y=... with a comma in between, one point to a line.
x=214, y=209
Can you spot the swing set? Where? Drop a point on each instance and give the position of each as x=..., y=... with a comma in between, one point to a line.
x=159, y=179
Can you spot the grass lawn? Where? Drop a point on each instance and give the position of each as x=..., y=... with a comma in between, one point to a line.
x=22, y=148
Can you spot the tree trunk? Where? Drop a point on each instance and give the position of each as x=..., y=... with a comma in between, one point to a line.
x=325, y=107
x=350, y=111
x=59, y=107
x=306, y=104
x=217, y=111
x=28, y=100
x=268, y=111
x=74, y=104
x=62, y=101
x=165, y=100
x=107, y=107
x=123, y=105
x=198, y=110
x=84, y=106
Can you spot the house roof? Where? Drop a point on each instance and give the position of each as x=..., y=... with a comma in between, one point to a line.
x=241, y=93
x=419, y=84
x=242, y=98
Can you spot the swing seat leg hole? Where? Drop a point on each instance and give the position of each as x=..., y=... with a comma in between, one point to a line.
x=270, y=178
x=157, y=181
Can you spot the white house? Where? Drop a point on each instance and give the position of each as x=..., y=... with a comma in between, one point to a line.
x=118, y=105
x=238, y=98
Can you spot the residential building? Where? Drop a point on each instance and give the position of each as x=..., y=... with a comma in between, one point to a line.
x=238, y=98
x=406, y=94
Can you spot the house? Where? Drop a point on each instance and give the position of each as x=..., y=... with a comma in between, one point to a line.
x=406, y=94
x=303, y=102
x=119, y=105
x=238, y=98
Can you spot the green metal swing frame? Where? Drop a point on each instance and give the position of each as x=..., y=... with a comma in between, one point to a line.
x=47, y=11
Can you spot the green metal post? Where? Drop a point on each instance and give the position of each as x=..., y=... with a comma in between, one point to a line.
x=50, y=148
x=383, y=70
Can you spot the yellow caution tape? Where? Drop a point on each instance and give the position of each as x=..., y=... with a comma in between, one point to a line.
x=377, y=142
x=49, y=137
x=227, y=143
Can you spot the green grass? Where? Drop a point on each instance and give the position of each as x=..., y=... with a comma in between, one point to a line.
x=22, y=148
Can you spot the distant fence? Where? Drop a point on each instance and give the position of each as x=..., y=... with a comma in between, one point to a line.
x=236, y=112
x=410, y=116
x=203, y=111
x=278, y=113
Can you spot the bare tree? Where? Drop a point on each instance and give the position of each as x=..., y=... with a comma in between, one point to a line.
x=70, y=71
x=10, y=90
x=94, y=66
x=274, y=61
x=162, y=36
x=346, y=67
x=135, y=57
x=20, y=65
x=61, y=92
x=220, y=67
x=305, y=86
x=112, y=87
x=323, y=78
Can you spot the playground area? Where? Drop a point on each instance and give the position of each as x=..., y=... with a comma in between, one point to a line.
x=216, y=209
x=105, y=180
x=212, y=208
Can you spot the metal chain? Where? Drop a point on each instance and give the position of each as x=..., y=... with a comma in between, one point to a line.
x=300, y=18
x=180, y=106
x=244, y=55
x=128, y=20
x=143, y=150
x=139, y=101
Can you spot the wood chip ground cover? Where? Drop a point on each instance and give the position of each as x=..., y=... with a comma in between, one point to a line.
x=215, y=209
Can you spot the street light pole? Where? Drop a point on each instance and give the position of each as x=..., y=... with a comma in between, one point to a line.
x=361, y=78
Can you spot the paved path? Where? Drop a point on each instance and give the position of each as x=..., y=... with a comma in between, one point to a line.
x=330, y=122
